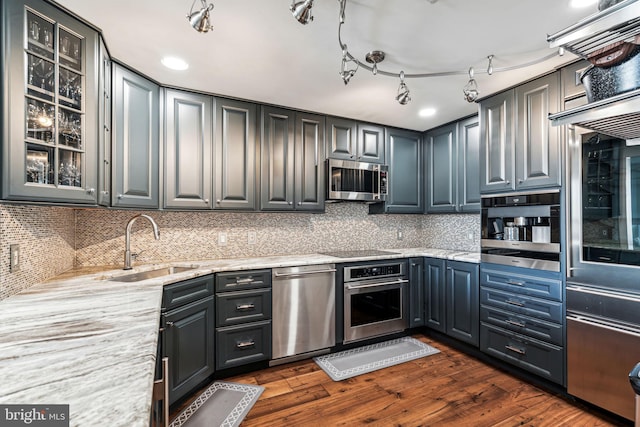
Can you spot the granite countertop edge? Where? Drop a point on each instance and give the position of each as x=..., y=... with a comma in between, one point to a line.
x=79, y=339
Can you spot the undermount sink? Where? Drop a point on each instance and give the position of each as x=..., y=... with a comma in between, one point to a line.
x=144, y=275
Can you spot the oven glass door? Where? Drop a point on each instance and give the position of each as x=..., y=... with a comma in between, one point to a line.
x=374, y=308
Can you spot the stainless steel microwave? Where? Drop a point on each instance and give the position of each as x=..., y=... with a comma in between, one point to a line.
x=357, y=181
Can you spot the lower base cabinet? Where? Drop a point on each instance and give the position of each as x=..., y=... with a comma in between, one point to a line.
x=452, y=298
x=243, y=323
x=188, y=337
x=522, y=319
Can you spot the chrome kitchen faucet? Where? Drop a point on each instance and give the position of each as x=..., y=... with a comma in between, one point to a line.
x=127, y=238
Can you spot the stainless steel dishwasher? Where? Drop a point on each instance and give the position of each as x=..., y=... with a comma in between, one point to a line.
x=304, y=313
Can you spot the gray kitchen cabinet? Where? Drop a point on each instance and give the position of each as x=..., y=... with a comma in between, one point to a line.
x=452, y=298
x=462, y=301
x=136, y=140
x=351, y=140
x=434, y=294
x=292, y=160
x=520, y=149
x=50, y=93
x=538, y=151
x=497, y=130
x=573, y=92
x=469, y=165
x=243, y=321
x=441, y=149
x=104, y=127
x=452, y=167
x=522, y=319
x=404, y=157
x=188, y=150
x=416, y=292
x=188, y=334
x=235, y=154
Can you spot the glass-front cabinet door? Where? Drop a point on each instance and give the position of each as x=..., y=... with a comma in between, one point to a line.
x=50, y=91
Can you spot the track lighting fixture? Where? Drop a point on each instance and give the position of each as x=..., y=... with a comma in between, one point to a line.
x=200, y=20
x=470, y=90
x=302, y=11
x=403, y=96
x=345, y=72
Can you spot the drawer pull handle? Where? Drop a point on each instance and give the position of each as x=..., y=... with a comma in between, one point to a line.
x=169, y=324
x=514, y=323
x=515, y=349
x=513, y=282
x=244, y=281
x=245, y=344
x=516, y=303
x=245, y=307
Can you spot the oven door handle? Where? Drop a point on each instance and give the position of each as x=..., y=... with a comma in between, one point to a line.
x=378, y=284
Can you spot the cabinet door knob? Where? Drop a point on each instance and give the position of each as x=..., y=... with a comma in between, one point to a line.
x=290, y=203
x=299, y=203
x=120, y=196
x=206, y=200
x=520, y=180
x=169, y=324
x=91, y=191
x=507, y=182
x=218, y=201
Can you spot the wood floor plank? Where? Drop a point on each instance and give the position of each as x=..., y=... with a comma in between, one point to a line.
x=448, y=388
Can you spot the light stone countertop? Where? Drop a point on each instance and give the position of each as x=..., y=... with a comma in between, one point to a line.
x=91, y=343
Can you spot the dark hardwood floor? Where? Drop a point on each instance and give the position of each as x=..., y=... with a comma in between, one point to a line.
x=448, y=388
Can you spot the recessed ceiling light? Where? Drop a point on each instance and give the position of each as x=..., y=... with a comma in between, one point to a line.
x=427, y=112
x=578, y=4
x=174, y=63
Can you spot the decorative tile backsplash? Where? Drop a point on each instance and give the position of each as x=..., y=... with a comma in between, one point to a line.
x=55, y=239
x=46, y=236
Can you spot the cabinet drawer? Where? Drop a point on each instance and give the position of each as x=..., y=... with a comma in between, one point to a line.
x=242, y=307
x=542, y=359
x=181, y=293
x=242, y=344
x=525, y=285
x=542, y=309
x=545, y=331
x=240, y=280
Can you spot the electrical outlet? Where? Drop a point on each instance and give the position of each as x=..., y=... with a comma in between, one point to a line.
x=14, y=257
x=252, y=239
x=222, y=239
x=400, y=235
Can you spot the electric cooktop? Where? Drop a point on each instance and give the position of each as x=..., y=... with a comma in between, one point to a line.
x=358, y=253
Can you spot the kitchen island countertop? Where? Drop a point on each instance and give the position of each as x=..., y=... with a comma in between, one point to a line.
x=81, y=340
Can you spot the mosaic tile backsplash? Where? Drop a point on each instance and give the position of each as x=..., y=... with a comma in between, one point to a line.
x=46, y=236
x=56, y=239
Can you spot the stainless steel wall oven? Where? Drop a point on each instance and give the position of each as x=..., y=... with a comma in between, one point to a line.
x=375, y=299
x=522, y=230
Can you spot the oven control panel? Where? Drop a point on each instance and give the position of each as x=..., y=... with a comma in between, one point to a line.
x=372, y=271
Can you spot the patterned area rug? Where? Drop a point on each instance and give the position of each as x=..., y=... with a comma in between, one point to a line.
x=222, y=404
x=358, y=361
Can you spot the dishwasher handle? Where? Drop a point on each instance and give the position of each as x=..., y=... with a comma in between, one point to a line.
x=304, y=273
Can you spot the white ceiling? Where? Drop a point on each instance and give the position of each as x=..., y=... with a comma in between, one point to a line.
x=257, y=51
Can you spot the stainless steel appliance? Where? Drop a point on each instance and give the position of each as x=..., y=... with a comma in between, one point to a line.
x=375, y=299
x=522, y=229
x=359, y=181
x=603, y=342
x=303, y=319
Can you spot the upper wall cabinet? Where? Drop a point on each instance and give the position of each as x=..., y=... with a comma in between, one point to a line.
x=50, y=90
x=136, y=142
x=188, y=150
x=452, y=167
x=235, y=154
x=350, y=140
x=104, y=127
x=292, y=160
x=519, y=148
x=404, y=155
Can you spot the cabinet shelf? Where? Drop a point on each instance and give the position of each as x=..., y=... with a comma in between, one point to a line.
x=618, y=23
